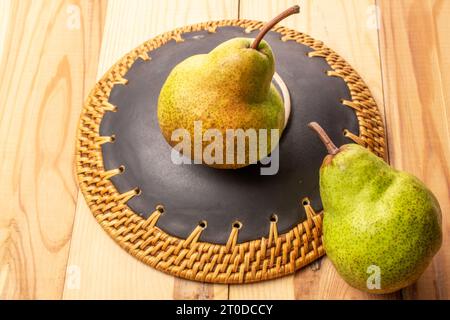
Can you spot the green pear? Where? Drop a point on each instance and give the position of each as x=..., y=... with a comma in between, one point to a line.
x=381, y=226
x=229, y=88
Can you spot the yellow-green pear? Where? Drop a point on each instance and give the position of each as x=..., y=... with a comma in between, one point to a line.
x=229, y=88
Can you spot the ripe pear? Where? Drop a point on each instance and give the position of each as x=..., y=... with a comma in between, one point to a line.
x=381, y=226
x=228, y=88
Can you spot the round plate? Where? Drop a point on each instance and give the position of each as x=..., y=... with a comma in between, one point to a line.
x=210, y=213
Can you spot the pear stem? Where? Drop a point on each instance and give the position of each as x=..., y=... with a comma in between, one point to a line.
x=331, y=147
x=269, y=25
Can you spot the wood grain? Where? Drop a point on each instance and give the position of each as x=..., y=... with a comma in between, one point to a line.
x=5, y=12
x=349, y=28
x=104, y=269
x=48, y=53
x=415, y=46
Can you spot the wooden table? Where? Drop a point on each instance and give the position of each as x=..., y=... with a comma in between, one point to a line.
x=52, y=52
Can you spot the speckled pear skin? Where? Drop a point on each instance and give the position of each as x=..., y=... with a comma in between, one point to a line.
x=228, y=88
x=376, y=215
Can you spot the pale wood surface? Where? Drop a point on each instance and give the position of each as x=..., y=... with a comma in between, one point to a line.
x=49, y=57
x=50, y=60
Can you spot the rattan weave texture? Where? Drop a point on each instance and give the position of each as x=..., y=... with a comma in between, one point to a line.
x=269, y=257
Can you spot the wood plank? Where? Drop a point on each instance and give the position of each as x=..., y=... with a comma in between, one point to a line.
x=349, y=28
x=5, y=12
x=276, y=289
x=48, y=53
x=115, y=274
x=415, y=43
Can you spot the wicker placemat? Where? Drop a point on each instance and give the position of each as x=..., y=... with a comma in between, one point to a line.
x=269, y=257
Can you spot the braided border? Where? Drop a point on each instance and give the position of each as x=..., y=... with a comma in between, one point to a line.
x=251, y=261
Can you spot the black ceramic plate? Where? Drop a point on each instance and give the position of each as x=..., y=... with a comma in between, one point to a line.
x=192, y=193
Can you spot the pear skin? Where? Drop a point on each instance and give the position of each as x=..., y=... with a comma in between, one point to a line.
x=228, y=88
x=378, y=221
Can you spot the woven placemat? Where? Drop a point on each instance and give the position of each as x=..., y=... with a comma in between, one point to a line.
x=269, y=257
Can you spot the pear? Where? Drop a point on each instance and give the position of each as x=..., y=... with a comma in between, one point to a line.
x=381, y=226
x=229, y=88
